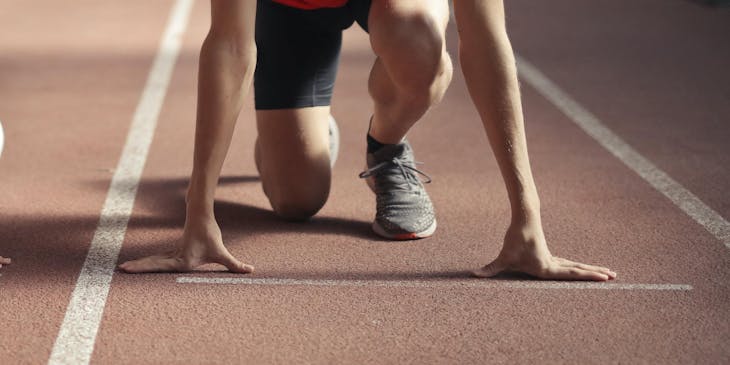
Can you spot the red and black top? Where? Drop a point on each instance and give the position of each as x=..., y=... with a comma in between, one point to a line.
x=312, y=4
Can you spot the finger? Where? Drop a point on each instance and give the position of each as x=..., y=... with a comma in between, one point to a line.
x=603, y=270
x=5, y=261
x=493, y=268
x=599, y=269
x=154, y=264
x=233, y=264
x=572, y=273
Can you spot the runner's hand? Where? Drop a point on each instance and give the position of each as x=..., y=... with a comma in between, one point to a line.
x=201, y=244
x=4, y=261
x=526, y=251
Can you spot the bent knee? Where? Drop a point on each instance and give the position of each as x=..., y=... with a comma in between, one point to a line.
x=415, y=55
x=417, y=40
x=298, y=198
x=412, y=30
x=425, y=88
x=297, y=208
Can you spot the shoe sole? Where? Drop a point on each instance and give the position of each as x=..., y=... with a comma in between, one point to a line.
x=428, y=232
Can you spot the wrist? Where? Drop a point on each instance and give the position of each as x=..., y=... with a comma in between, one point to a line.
x=198, y=205
x=201, y=193
x=526, y=210
x=199, y=220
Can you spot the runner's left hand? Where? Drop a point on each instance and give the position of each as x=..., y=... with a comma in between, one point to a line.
x=525, y=250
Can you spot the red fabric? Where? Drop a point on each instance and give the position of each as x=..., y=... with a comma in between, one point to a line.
x=313, y=4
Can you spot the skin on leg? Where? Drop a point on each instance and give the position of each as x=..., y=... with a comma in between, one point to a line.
x=292, y=155
x=412, y=70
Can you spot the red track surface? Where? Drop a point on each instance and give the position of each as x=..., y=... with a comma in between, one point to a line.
x=654, y=71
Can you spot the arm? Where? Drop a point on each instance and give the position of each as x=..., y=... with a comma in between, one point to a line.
x=227, y=63
x=489, y=68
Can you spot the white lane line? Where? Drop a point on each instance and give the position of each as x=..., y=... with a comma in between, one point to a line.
x=678, y=194
x=75, y=341
x=474, y=283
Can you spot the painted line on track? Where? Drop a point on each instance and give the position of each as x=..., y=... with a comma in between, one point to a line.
x=660, y=180
x=473, y=283
x=77, y=335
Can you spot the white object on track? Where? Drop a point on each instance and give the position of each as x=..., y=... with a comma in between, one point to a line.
x=334, y=140
x=2, y=139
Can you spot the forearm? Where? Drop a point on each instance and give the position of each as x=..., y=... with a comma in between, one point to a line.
x=226, y=70
x=489, y=67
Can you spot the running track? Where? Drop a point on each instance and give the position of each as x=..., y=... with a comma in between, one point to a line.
x=653, y=72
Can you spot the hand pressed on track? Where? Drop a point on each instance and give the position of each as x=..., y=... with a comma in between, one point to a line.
x=4, y=261
x=199, y=245
x=526, y=251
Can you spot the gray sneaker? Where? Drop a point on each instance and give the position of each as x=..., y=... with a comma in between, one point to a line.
x=404, y=210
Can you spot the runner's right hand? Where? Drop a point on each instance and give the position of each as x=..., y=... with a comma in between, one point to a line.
x=200, y=244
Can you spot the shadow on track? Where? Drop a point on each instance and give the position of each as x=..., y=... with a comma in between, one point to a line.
x=54, y=245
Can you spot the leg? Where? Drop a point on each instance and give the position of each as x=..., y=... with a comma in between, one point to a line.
x=296, y=69
x=411, y=73
x=412, y=69
x=292, y=155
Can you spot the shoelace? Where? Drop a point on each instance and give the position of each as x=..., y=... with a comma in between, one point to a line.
x=408, y=172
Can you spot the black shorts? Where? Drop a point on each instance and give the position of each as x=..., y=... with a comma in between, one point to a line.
x=298, y=52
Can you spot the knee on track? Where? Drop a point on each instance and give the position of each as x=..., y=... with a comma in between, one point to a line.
x=297, y=208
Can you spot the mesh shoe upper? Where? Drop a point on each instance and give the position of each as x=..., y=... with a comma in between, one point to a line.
x=403, y=206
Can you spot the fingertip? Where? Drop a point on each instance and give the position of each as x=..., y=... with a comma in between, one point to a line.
x=127, y=267
x=239, y=267
x=487, y=271
x=608, y=273
x=479, y=273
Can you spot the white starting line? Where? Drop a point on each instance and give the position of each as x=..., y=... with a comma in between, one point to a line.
x=460, y=283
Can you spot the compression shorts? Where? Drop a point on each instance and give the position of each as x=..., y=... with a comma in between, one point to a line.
x=298, y=52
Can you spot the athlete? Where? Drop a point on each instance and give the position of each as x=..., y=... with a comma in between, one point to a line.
x=293, y=46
